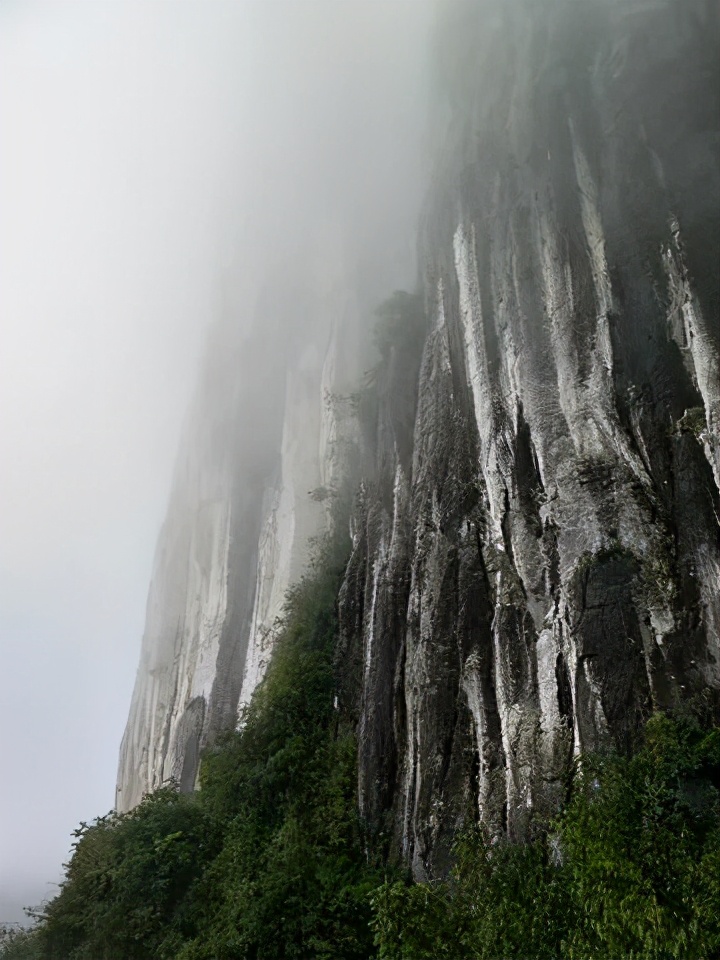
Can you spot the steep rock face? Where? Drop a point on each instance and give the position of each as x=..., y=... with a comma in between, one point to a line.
x=296, y=504
x=536, y=548
x=262, y=456
x=206, y=549
x=546, y=568
x=237, y=534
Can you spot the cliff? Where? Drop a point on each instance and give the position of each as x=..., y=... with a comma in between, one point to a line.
x=261, y=458
x=236, y=536
x=546, y=569
x=536, y=548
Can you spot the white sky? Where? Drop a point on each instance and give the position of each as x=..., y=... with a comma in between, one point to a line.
x=140, y=142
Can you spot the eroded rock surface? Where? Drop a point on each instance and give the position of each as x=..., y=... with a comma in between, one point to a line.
x=237, y=535
x=536, y=547
x=265, y=449
x=546, y=570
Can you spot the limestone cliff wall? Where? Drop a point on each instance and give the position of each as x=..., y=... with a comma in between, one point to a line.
x=546, y=568
x=535, y=545
x=237, y=534
x=260, y=460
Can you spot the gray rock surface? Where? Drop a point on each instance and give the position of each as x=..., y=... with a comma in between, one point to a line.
x=546, y=570
x=536, y=546
x=264, y=450
x=237, y=534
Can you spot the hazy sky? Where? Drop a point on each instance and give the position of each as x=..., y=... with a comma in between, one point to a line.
x=147, y=151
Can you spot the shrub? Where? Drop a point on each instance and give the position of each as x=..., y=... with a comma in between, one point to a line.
x=126, y=880
x=629, y=869
x=292, y=879
x=268, y=859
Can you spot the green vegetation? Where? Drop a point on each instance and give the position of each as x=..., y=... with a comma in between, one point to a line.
x=267, y=861
x=126, y=879
x=19, y=944
x=271, y=861
x=630, y=869
x=693, y=421
x=292, y=878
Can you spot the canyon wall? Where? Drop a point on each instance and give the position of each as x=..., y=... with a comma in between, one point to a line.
x=535, y=558
x=544, y=570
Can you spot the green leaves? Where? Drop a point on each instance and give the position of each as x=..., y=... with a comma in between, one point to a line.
x=268, y=860
x=631, y=868
x=291, y=879
x=126, y=881
x=19, y=944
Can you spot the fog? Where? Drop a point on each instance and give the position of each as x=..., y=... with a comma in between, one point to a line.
x=151, y=155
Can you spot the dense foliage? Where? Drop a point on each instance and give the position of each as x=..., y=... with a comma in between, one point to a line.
x=267, y=861
x=18, y=943
x=271, y=861
x=630, y=869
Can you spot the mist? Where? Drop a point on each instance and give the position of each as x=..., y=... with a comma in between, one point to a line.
x=157, y=162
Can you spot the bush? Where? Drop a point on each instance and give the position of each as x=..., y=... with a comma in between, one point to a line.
x=292, y=879
x=19, y=944
x=630, y=869
x=268, y=860
x=126, y=880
